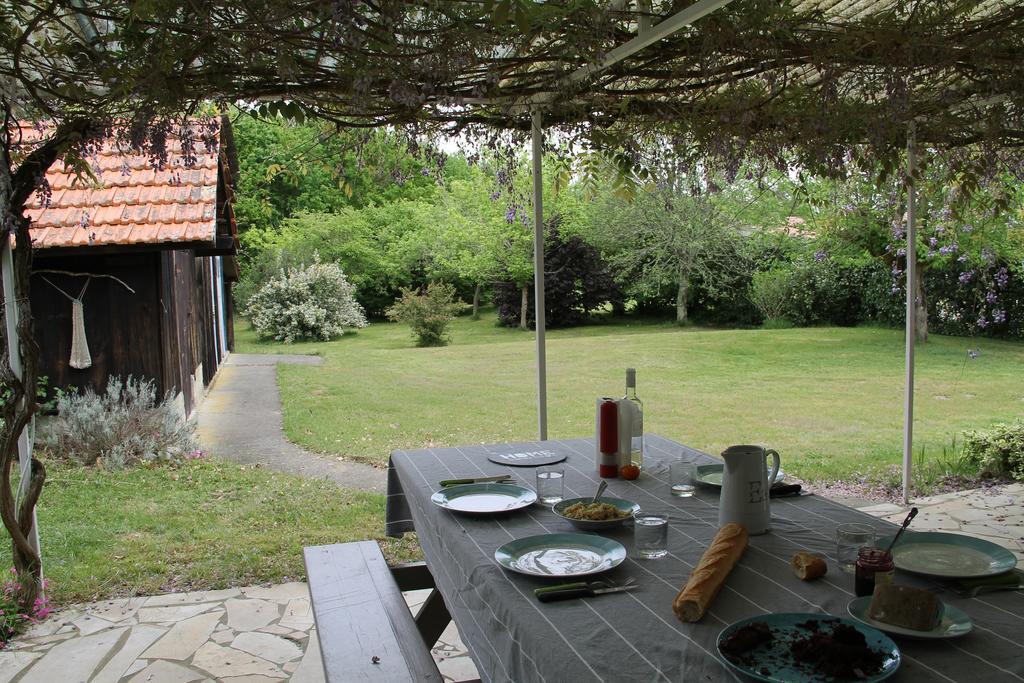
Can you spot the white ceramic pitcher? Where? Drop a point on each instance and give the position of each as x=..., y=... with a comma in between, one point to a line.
x=745, y=484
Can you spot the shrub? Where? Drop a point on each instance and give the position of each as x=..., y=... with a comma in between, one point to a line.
x=428, y=314
x=768, y=291
x=999, y=450
x=577, y=281
x=825, y=292
x=308, y=302
x=13, y=619
x=125, y=426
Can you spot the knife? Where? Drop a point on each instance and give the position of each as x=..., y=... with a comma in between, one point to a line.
x=781, y=490
x=477, y=480
x=584, y=591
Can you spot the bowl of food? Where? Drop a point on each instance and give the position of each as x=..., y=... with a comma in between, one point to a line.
x=606, y=513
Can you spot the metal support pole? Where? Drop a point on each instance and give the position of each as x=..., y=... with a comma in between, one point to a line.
x=14, y=358
x=908, y=413
x=538, y=273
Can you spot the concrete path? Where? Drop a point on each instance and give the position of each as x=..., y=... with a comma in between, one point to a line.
x=240, y=420
x=995, y=514
x=252, y=634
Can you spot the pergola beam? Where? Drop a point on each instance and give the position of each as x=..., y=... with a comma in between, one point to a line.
x=911, y=322
x=646, y=36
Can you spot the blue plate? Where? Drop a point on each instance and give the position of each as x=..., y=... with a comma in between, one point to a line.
x=560, y=555
x=949, y=556
x=953, y=624
x=774, y=663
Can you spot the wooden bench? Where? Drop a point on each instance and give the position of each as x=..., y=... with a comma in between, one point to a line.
x=365, y=628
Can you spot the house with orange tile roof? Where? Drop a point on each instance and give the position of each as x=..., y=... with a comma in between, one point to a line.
x=132, y=268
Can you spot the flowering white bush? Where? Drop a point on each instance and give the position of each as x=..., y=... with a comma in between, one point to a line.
x=310, y=302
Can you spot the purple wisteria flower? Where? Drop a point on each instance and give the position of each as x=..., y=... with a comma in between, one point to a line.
x=510, y=214
x=1002, y=278
x=933, y=242
x=820, y=255
x=949, y=248
x=966, y=276
x=998, y=315
x=495, y=195
x=982, y=322
x=901, y=252
x=897, y=231
x=991, y=297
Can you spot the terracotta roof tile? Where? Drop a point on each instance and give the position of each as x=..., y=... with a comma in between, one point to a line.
x=133, y=202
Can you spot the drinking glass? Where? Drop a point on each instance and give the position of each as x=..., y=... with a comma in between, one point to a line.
x=850, y=538
x=550, y=485
x=680, y=478
x=650, y=532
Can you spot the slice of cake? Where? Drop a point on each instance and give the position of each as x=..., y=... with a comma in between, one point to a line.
x=904, y=606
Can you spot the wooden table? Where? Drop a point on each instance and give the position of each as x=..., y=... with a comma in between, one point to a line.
x=635, y=635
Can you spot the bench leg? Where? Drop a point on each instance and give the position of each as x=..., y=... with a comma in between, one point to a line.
x=433, y=618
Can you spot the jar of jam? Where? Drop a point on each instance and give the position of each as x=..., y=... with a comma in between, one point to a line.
x=874, y=566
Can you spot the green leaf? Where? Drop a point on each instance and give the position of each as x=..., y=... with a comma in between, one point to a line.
x=499, y=17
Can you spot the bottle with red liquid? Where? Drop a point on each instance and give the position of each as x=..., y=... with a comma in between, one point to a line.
x=608, y=440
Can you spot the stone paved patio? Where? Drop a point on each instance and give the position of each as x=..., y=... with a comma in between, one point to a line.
x=995, y=514
x=238, y=635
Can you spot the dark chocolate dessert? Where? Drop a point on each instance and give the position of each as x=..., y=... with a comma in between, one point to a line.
x=746, y=638
x=843, y=654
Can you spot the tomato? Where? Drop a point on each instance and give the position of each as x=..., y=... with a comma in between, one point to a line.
x=629, y=472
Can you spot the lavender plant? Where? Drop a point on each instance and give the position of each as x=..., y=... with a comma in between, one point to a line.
x=124, y=426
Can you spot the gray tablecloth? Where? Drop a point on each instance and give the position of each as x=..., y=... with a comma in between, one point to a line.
x=635, y=636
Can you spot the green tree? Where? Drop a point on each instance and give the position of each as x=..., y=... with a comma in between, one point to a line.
x=664, y=240
x=468, y=237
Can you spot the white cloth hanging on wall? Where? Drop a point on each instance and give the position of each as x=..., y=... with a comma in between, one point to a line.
x=80, y=358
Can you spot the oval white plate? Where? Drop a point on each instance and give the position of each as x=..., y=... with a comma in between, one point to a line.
x=954, y=623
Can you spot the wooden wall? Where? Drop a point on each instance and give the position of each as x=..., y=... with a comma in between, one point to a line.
x=122, y=328
x=166, y=330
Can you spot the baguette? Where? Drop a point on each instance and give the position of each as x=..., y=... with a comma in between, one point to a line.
x=708, y=576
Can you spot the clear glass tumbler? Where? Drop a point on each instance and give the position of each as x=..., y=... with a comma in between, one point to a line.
x=550, y=485
x=680, y=478
x=650, y=532
x=850, y=538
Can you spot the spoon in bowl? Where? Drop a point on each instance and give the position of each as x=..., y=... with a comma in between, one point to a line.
x=600, y=490
x=906, y=522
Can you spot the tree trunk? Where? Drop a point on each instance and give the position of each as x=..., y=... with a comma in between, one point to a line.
x=681, y=295
x=522, y=308
x=19, y=402
x=920, y=306
x=476, y=302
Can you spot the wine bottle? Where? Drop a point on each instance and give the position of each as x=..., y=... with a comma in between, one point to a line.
x=636, y=444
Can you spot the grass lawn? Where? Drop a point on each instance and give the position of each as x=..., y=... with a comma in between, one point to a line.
x=829, y=399
x=200, y=525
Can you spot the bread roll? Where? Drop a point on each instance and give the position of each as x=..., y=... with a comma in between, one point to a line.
x=709, y=574
x=808, y=566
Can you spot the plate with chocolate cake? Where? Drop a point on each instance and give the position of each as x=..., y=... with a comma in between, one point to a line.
x=804, y=647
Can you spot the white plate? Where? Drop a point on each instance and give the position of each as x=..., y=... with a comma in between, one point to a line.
x=954, y=622
x=484, y=499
